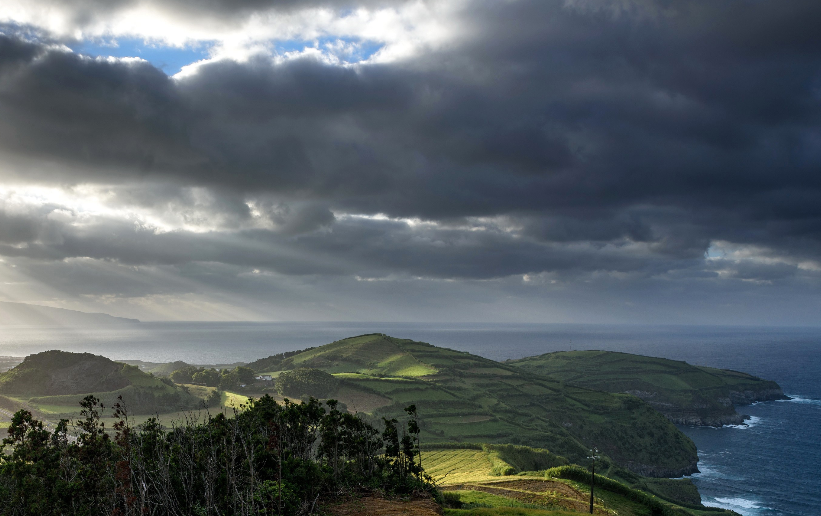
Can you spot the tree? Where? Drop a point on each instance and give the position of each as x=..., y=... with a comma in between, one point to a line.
x=245, y=375
x=185, y=374
x=209, y=377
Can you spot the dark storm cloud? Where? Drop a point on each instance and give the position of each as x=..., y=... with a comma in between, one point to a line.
x=360, y=247
x=588, y=127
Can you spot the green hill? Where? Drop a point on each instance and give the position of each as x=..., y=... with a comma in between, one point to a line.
x=467, y=398
x=55, y=381
x=686, y=394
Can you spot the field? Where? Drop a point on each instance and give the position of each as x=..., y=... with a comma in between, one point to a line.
x=458, y=466
x=683, y=392
x=471, y=476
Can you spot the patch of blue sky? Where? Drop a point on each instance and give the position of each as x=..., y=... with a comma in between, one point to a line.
x=714, y=253
x=347, y=49
x=168, y=59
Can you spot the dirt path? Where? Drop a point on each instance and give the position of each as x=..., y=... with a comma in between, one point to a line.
x=378, y=506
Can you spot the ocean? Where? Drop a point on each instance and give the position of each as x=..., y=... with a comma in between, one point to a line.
x=767, y=467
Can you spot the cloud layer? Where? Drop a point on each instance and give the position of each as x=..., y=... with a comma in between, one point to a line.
x=641, y=147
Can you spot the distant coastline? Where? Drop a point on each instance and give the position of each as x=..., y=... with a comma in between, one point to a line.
x=23, y=314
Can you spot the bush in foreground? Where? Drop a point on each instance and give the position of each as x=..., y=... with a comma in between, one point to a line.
x=267, y=459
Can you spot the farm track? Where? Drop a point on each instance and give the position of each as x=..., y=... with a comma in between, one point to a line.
x=548, y=493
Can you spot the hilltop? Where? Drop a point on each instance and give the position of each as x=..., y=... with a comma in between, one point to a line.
x=59, y=380
x=467, y=398
x=22, y=314
x=684, y=393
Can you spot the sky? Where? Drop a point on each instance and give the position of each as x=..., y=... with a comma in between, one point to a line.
x=567, y=161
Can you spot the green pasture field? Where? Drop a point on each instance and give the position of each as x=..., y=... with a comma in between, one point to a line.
x=482, y=499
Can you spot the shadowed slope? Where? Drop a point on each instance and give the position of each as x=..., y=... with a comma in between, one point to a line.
x=686, y=394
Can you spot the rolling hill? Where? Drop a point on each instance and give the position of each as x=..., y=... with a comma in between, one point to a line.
x=686, y=394
x=58, y=380
x=467, y=398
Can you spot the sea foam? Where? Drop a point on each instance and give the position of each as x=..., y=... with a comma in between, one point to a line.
x=803, y=401
x=747, y=423
x=740, y=505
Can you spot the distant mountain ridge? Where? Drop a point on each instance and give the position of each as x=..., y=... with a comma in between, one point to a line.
x=22, y=314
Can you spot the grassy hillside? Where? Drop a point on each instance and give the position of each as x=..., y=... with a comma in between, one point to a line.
x=684, y=393
x=463, y=397
x=53, y=382
x=469, y=478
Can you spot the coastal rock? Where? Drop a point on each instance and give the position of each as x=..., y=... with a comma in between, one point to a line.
x=748, y=397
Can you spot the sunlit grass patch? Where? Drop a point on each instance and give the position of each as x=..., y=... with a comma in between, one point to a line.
x=233, y=400
x=457, y=466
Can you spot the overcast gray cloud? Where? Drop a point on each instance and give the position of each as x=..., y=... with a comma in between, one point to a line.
x=576, y=143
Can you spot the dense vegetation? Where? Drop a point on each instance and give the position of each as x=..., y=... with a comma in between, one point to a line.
x=307, y=382
x=684, y=393
x=210, y=377
x=268, y=459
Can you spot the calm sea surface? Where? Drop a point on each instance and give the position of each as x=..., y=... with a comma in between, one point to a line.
x=769, y=467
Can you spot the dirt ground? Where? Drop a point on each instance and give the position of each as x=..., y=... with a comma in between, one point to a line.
x=379, y=506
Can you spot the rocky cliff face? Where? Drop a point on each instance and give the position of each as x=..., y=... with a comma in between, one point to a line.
x=657, y=472
x=716, y=411
x=750, y=396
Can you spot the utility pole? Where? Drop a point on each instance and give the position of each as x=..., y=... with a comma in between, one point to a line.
x=594, y=455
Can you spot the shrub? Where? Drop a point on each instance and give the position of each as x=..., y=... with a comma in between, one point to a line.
x=451, y=500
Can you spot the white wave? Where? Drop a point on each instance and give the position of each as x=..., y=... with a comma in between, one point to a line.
x=747, y=423
x=740, y=505
x=799, y=399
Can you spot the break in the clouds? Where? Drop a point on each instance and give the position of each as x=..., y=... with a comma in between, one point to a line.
x=632, y=161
